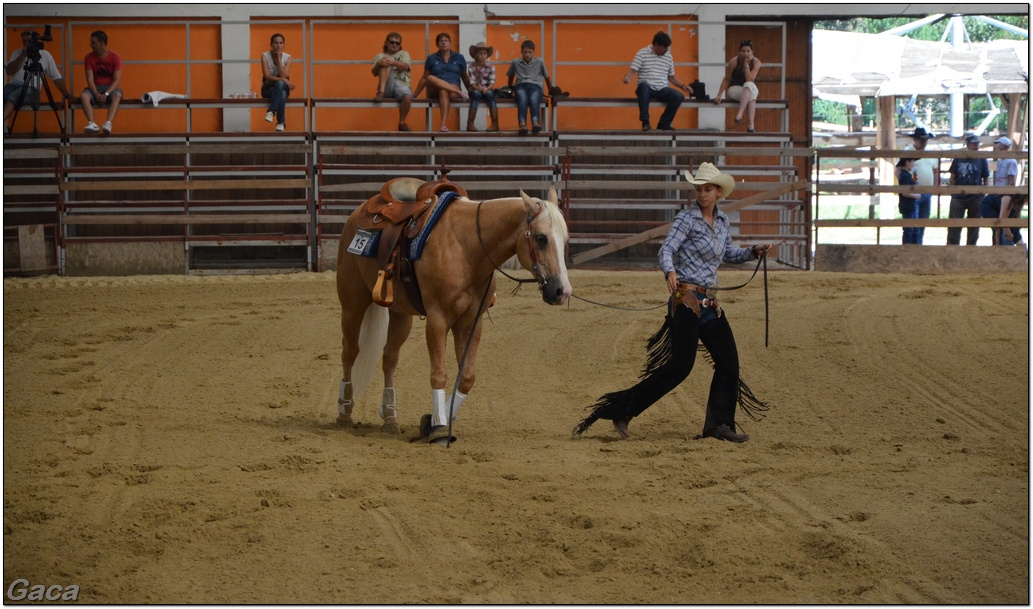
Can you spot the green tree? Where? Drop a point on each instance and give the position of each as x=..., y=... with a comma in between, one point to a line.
x=978, y=31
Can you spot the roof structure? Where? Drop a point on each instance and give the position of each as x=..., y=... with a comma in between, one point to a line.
x=849, y=65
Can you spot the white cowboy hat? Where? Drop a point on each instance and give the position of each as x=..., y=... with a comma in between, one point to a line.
x=708, y=174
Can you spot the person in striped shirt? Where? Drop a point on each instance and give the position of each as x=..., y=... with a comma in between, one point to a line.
x=655, y=68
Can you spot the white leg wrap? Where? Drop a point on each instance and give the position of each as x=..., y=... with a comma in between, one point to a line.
x=439, y=407
x=344, y=398
x=387, y=403
x=459, y=398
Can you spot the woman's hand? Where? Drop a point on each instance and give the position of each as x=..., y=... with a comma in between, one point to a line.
x=672, y=282
x=760, y=249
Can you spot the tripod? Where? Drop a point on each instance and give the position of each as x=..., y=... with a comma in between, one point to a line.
x=35, y=79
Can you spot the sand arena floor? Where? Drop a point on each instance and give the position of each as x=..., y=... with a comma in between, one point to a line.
x=172, y=440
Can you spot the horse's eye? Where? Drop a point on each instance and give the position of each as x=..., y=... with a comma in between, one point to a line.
x=541, y=241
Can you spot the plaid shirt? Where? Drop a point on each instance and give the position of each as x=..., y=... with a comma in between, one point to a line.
x=694, y=249
x=482, y=77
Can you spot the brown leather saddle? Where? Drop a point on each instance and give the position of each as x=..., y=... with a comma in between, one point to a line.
x=399, y=212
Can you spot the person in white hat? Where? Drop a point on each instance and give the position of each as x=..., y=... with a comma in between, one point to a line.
x=697, y=243
x=999, y=206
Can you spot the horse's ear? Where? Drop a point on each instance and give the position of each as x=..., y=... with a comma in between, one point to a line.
x=553, y=197
x=532, y=206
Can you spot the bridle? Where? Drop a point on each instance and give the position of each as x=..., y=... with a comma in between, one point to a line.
x=536, y=269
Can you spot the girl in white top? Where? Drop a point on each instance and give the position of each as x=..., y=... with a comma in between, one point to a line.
x=276, y=82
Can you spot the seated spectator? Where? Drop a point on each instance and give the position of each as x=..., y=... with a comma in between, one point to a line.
x=967, y=172
x=443, y=72
x=482, y=85
x=103, y=75
x=15, y=92
x=655, y=68
x=740, y=83
x=391, y=67
x=276, y=81
x=526, y=74
x=995, y=206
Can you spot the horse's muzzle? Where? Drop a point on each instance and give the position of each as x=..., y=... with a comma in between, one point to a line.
x=555, y=291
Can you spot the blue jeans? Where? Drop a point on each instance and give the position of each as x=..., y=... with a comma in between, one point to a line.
x=908, y=210
x=528, y=97
x=669, y=96
x=924, y=207
x=990, y=207
x=277, y=93
x=489, y=99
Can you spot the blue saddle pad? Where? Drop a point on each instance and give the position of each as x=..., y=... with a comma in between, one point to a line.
x=365, y=243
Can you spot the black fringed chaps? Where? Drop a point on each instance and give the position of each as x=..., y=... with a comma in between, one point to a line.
x=672, y=354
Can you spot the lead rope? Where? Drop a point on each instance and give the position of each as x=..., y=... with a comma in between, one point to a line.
x=763, y=259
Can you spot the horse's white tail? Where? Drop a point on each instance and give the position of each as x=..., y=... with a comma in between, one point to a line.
x=372, y=338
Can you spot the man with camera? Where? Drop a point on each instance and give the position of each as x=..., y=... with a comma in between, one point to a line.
x=103, y=74
x=20, y=89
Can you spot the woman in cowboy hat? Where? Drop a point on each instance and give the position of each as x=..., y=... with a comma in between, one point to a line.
x=482, y=85
x=697, y=243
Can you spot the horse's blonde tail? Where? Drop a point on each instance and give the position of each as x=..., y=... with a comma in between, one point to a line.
x=372, y=338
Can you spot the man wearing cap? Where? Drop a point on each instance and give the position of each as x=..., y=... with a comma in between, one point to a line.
x=927, y=173
x=967, y=172
x=1006, y=174
x=655, y=68
x=391, y=67
x=697, y=243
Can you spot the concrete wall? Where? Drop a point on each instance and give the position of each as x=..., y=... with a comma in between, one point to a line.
x=920, y=259
x=119, y=259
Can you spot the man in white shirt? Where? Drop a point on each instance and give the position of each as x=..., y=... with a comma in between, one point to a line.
x=927, y=171
x=655, y=68
x=15, y=69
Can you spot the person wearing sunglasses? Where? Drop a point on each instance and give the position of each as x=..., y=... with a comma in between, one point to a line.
x=740, y=83
x=391, y=67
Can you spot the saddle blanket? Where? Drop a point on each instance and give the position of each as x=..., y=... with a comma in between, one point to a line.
x=365, y=243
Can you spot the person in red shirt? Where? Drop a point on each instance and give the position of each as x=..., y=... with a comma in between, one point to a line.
x=103, y=75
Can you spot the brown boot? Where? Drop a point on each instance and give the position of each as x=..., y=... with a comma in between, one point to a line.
x=470, y=126
x=494, y=119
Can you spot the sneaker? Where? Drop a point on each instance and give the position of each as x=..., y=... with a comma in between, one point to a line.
x=107, y=127
x=269, y=117
x=91, y=128
x=522, y=130
x=667, y=128
x=645, y=126
x=280, y=126
x=536, y=128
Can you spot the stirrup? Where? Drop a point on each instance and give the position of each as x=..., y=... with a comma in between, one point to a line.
x=384, y=290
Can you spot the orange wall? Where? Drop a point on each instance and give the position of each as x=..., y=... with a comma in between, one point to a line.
x=340, y=67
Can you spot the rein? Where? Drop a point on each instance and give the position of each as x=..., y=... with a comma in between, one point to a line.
x=767, y=319
x=535, y=269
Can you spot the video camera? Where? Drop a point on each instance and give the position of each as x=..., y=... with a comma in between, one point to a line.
x=36, y=43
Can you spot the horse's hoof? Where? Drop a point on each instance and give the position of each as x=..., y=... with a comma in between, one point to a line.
x=425, y=426
x=344, y=420
x=439, y=435
x=391, y=426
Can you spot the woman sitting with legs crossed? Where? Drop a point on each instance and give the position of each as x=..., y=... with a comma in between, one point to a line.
x=740, y=83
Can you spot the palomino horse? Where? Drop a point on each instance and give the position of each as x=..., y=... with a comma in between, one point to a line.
x=456, y=278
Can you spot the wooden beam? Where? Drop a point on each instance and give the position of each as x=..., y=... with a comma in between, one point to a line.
x=660, y=231
x=241, y=184
x=139, y=219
